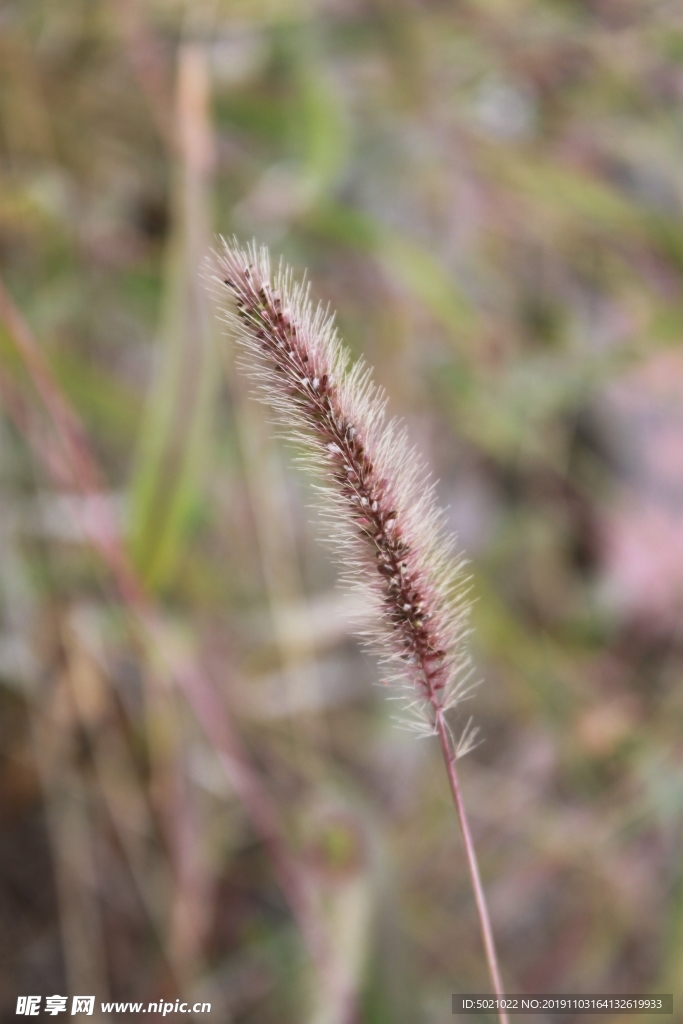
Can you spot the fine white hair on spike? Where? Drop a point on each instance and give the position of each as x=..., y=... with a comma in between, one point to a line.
x=376, y=496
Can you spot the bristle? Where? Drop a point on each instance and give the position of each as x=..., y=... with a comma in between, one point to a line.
x=376, y=496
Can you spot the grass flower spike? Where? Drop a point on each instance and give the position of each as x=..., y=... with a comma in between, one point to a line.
x=380, y=509
x=384, y=524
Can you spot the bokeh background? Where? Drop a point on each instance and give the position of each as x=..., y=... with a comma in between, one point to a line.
x=199, y=781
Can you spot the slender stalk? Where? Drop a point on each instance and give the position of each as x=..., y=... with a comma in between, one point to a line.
x=472, y=865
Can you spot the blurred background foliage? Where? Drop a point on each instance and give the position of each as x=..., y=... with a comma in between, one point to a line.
x=490, y=194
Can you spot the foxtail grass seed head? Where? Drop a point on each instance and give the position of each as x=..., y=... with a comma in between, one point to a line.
x=376, y=496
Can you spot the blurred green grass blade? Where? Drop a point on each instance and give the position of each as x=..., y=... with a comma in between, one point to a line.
x=569, y=200
x=175, y=436
x=565, y=192
x=105, y=401
x=424, y=276
x=407, y=262
x=176, y=431
x=323, y=128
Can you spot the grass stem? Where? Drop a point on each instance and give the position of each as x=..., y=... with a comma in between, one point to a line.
x=472, y=864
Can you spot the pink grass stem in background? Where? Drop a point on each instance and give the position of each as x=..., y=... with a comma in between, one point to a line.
x=377, y=503
x=104, y=536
